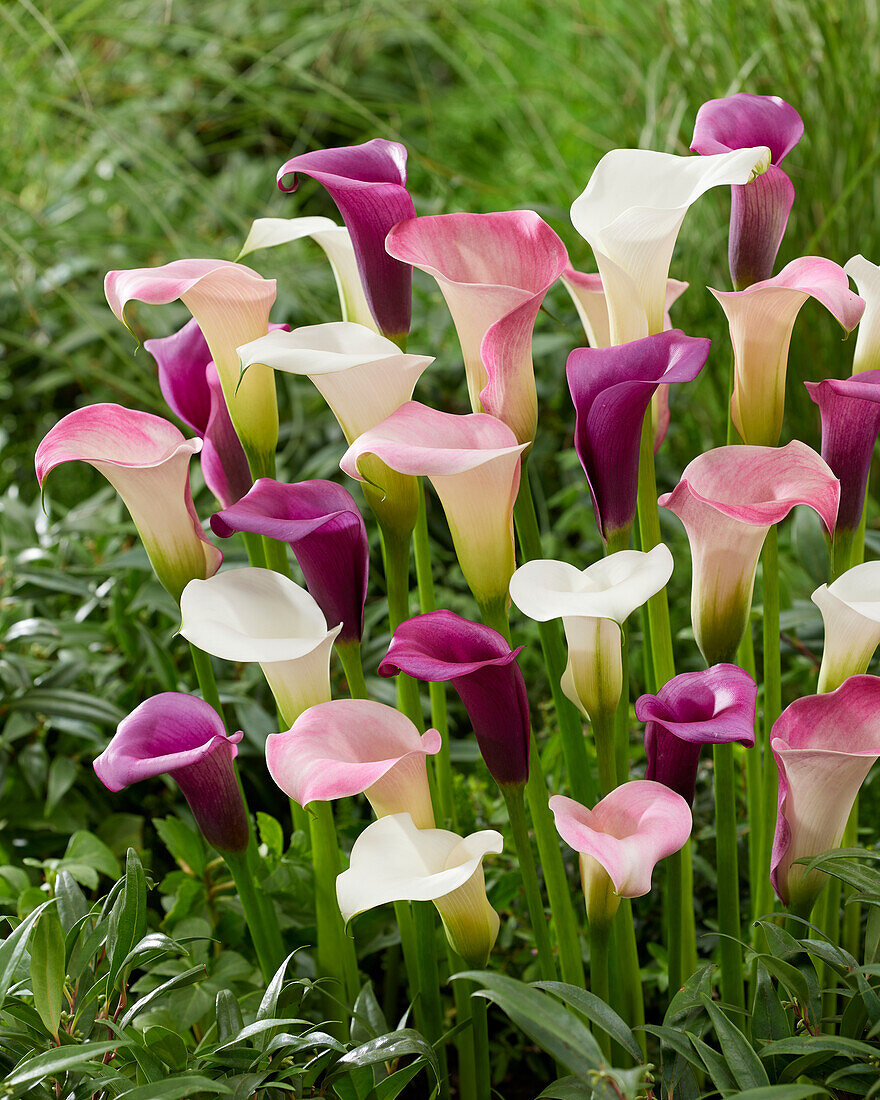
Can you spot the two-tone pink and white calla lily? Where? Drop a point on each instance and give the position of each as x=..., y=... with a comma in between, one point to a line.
x=824, y=747
x=335, y=241
x=850, y=609
x=355, y=746
x=593, y=603
x=184, y=737
x=758, y=210
x=231, y=304
x=728, y=499
x=621, y=840
x=321, y=522
x=493, y=270
x=392, y=860
x=368, y=184
x=612, y=389
x=714, y=706
x=761, y=320
x=473, y=462
x=866, y=276
x=146, y=460
x=258, y=615
x=630, y=214
x=479, y=663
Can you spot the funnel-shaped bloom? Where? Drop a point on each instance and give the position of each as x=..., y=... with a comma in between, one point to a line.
x=592, y=604
x=622, y=839
x=392, y=860
x=824, y=747
x=630, y=214
x=866, y=276
x=727, y=499
x=321, y=522
x=257, y=615
x=478, y=662
x=473, y=462
x=184, y=737
x=611, y=389
x=761, y=320
x=493, y=270
x=335, y=241
x=231, y=304
x=355, y=746
x=146, y=460
x=850, y=609
x=368, y=184
x=711, y=707
x=758, y=210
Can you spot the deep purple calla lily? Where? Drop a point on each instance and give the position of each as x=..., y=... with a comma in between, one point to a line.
x=711, y=707
x=442, y=646
x=758, y=210
x=368, y=184
x=611, y=389
x=184, y=737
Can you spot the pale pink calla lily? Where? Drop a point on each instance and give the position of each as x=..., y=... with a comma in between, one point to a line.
x=866, y=276
x=727, y=499
x=146, y=460
x=850, y=609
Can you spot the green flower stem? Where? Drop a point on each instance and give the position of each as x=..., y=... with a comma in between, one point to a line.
x=253, y=543
x=335, y=955
x=603, y=735
x=852, y=914
x=675, y=908
x=396, y=554
x=276, y=556
x=772, y=710
x=516, y=812
x=494, y=614
x=465, y=1040
x=428, y=977
x=481, y=1047
x=205, y=676
x=353, y=667
x=732, y=990
x=626, y=961
x=600, y=944
x=258, y=916
x=621, y=716
x=404, y=916
x=649, y=536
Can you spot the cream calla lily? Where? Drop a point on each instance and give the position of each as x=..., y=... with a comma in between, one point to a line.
x=850, y=609
x=866, y=276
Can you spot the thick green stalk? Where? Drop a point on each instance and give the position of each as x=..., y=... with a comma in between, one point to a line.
x=353, y=667
x=406, y=928
x=621, y=716
x=626, y=960
x=253, y=543
x=516, y=812
x=772, y=710
x=674, y=926
x=603, y=735
x=649, y=536
x=396, y=554
x=428, y=977
x=261, y=923
x=205, y=675
x=494, y=614
x=481, y=1047
x=465, y=1040
x=276, y=556
x=852, y=914
x=335, y=955
x=728, y=877
x=600, y=936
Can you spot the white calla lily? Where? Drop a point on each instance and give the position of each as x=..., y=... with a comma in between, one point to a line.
x=866, y=276
x=850, y=609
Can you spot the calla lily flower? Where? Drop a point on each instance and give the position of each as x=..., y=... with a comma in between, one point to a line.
x=442, y=646
x=850, y=609
x=493, y=270
x=184, y=737
x=824, y=747
x=321, y=522
x=146, y=460
x=866, y=276
x=630, y=214
x=355, y=746
x=473, y=462
x=231, y=304
x=621, y=840
x=758, y=210
x=727, y=499
x=368, y=184
x=335, y=240
x=612, y=389
x=593, y=604
x=714, y=706
x=761, y=320
x=255, y=614
x=392, y=860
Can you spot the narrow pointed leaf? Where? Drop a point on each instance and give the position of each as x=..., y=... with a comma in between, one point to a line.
x=47, y=968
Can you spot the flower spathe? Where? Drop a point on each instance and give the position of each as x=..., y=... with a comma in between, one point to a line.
x=321, y=522
x=761, y=320
x=493, y=270
x=184, y=737
x=368, y=184
x=630, y=214
x=392, y=860
x=824, y=747
x=258, y=615
x=713, y=706
x=850, y=609
x=479, y=663
x=146, y=459
x=866, y=276
x=727, y=499
x=356, y=746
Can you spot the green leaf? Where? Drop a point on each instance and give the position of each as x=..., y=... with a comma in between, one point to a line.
x=393, y=1085
x=72, y=904
x=229, y=1021
x=183, y=843
x=566, y=1088
x=269, y=1004
x=715, y=1065
x=47, y=968
x=597, y=1011
x=367, y=1020
x=59, y=1060
x=743, y=1062
x=271, y=834
x=167, y=1045
x=12, y=949
x=86, y=849
x=128, y=920
x=175, y=1089
x=62, y=775
x=389, y=1047
x=780, y=1092
x=179, y=981
x=152, y=947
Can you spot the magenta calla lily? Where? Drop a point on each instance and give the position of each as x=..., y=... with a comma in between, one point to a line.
x=146, y=460
x=761, y=320
x=714, y=706
x=321, y=522
x=824, y=747
x=368, y=184
x=184, y=737
x=758, y=210
x=442, y=646
x=611, y=389
x=493, y=270
x=727, y=499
